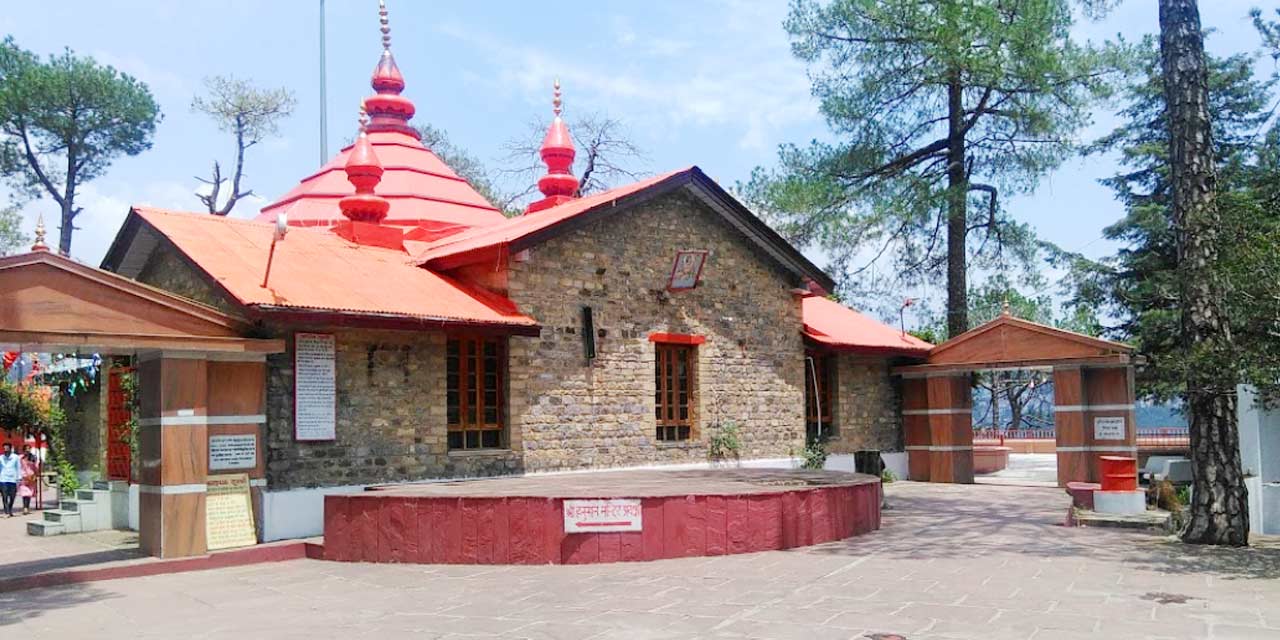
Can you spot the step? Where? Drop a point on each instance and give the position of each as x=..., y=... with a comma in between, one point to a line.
x=92, y=494
x=45, y=528
x=73, y=505
x=70, y=520
x=110, y=485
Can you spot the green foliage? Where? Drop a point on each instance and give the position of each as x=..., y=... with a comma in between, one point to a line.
x=885, y=73
x=887, y=476
x=33, y=409
x=725, y=441
x=1138, y=287
x=63, y=121
x=815, y=454
x=251, y=115
x=12, y=240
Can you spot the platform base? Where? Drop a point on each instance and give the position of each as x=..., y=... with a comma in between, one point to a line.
x=522, y=520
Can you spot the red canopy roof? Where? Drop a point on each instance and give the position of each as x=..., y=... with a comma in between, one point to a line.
x=318, y=271
x=834, y=325
x=422, y=189
x=491, y=237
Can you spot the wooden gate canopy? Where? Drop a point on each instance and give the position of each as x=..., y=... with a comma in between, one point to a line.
x=1093, y=397
x=1010, y=342
x=52, y=303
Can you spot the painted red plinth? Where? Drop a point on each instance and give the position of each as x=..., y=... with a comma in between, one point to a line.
x=1082, y=494
x=988, y=459
x=479, y=527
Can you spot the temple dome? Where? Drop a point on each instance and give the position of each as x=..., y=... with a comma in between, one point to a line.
x=422, y=190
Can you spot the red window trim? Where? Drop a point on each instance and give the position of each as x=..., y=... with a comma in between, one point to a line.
x=677, y=338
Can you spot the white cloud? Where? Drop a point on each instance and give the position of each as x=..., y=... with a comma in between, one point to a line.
x=739, y=74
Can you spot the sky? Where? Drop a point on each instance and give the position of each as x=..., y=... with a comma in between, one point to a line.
x=710, y=83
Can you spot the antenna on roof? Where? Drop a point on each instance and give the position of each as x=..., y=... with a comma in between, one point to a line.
x=281, y=230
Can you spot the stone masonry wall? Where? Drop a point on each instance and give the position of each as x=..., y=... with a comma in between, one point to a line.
x=867, y=406
x=390, y=417
x=567, y=412
x=166, y=270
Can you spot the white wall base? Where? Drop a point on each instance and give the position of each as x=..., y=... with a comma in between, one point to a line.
x=894, y=461
x=133, y=507
x=1120, y=502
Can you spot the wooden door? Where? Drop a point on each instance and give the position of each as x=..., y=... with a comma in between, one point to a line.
x=119, y=417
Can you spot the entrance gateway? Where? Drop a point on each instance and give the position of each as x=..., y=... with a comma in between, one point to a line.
x=1093, y=389
x=198, y=378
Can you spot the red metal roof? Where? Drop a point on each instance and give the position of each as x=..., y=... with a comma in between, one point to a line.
x=318, y=271
x=480, y=240
x=422, y=189
x=834, y=325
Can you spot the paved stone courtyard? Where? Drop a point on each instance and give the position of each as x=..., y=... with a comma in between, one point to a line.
x=950, y=562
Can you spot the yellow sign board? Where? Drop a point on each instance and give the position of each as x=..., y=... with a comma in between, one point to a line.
x=228, y=512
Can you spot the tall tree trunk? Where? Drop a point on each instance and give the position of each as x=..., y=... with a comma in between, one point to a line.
x=1219, y=505
x=957, y=219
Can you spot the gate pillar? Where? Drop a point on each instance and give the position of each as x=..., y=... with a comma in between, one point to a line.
x=950, y=428
x=1093, y=416
x=915, y=427
x=173, y=454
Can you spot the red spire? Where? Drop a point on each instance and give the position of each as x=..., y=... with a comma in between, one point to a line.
x=559, y=185
x=389, y=110
x=365, y=172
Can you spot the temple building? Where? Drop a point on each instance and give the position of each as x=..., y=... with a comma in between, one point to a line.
x=428, y=336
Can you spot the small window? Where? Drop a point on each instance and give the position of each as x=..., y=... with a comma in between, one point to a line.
x=818, y=405
x=676, y=391
x=474, y=392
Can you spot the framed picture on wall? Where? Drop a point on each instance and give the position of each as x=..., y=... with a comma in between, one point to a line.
x=687, y=270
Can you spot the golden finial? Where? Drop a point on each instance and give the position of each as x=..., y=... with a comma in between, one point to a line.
x=39, y=244
x=1004, y=306
x=386, y=24
x=555, y=102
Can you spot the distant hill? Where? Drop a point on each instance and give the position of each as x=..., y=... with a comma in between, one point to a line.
x=1160, y=415
x=1150, y=416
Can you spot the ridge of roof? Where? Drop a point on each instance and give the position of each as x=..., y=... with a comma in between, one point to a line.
x=1005, y=319
x=518, y=233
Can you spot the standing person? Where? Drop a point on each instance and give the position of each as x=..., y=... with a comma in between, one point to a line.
x=10, y=474
x=30, y=467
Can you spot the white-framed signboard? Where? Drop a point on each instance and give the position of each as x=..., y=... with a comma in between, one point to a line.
x=314, y=386
x=1108, y=428
x=600, y=516
x=233, y=452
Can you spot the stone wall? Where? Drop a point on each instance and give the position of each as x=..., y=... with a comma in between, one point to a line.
x=567, y=412
x=390, y=416
x=867, y=406
x=167, y=270
x=85, y=427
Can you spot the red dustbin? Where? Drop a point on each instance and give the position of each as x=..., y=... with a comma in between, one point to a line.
x=1119, y=473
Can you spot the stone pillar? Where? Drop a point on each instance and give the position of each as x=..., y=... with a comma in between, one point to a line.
x=237, y=408
x=1110, y=419
x=915, y=427
x=1092, y=406
x=950, y=428
x=173, y=454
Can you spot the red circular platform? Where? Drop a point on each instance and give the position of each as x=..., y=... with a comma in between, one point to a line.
x=521, y=520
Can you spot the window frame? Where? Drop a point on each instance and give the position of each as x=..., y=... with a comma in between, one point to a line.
x=471, y=390
x=669, y=426
x=825, y=366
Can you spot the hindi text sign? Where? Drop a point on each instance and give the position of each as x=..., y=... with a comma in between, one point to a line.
x=233, y=452
x=617, y=514
x=314, y=388
x=1108, y=428
x=228, y=512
